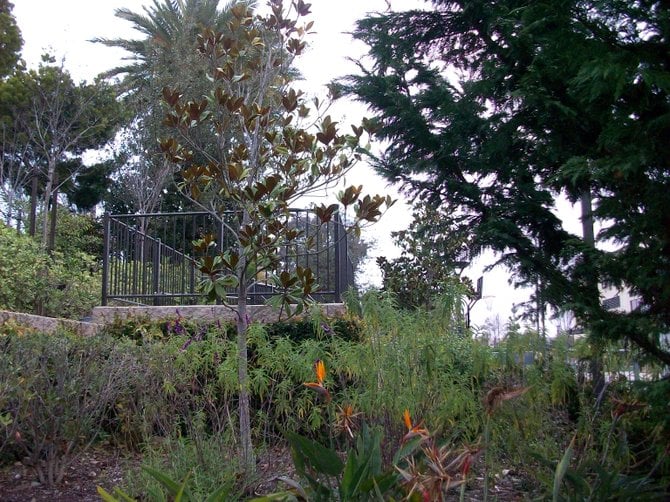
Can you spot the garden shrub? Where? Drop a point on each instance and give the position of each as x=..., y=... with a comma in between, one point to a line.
x=65, y=284
x=20, y=261
x=208, y=460
x=56, y=391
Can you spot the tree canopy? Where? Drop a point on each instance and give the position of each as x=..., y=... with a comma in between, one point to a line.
x=47, y=122
x=499, y=108
x=435, y=250
x=164, y=55
x=10, y=39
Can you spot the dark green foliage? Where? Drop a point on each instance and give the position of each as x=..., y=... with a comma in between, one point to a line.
x=90, y=185
x=163, y=55
x=493, y=109
x=10, y=39
x=48, y=122
x=63, y=284
x=435, y=250
x=296, y=330
x=361, y=477
x=301, y=330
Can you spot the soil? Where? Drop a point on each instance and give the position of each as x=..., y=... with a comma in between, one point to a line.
x=106, y=467
x=96, y=467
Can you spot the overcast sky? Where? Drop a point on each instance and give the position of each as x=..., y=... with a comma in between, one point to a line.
x=65, y=28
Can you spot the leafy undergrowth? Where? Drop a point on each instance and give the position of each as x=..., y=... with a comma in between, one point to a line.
x=489, y=419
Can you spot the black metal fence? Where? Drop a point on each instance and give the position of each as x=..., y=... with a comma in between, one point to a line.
x=149, y=259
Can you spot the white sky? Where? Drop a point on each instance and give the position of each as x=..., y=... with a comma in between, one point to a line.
x=64, y=28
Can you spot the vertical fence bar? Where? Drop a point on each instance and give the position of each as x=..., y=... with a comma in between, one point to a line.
x=344, y=278
x=105, y=259
x=156, y=271
x=338, y=251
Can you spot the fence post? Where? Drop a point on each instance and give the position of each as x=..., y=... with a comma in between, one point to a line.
x=336, y=236
x=105, y=259
x=156, y=271
x=344, y=267
x=219, y=243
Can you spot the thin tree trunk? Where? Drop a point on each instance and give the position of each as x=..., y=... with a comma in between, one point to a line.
x=246, y=447
x=33, y=205
x=596, y=364
x=51, y=173
x=51, y=243
x=10, y=208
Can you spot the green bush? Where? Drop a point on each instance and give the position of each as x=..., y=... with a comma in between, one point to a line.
x=21, y=264
x=56, y=392
x=66, y=284
x=207, y=460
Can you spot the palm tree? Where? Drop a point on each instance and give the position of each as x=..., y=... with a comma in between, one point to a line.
x=167, y=51
x=165, y=56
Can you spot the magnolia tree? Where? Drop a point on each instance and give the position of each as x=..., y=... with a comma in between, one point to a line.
x=273, y=148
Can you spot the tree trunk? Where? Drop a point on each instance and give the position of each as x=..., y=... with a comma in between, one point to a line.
x=596, y=363
x=51, y=242
x=33, y=205
x=246, y=447
x=51, y=173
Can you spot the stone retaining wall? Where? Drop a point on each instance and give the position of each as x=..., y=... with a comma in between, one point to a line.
x=199, y=313
x=107, y=315
x=50, y=324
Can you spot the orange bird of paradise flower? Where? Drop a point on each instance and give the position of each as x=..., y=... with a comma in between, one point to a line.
x=413, y=430
x=346, y=419
x=320, y=371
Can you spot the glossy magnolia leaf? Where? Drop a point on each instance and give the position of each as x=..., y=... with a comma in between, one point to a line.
x=325, y=213
x=358, y=131
x=240, y=78
x=290, y=100
x=303, y=8
x=295, y=46
x=230, y=260
x=204, y=243
x=220, y=291
x=228, y=281
x=349, y=195
x=234, y=105
x=287, y=280
x=235, y=171
x=328, y=131
x=171, y=96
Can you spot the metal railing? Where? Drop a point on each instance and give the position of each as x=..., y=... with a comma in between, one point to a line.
x=149, y=259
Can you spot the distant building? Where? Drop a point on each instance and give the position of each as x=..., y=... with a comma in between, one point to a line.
x=619, y=300
x=624, y=301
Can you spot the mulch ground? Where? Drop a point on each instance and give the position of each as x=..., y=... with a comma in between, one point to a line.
x=107, y=467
